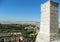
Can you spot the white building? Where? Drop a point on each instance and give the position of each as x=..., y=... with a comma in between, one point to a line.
x=49, y=22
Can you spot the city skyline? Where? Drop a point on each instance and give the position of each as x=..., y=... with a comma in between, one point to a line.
x=21, y=10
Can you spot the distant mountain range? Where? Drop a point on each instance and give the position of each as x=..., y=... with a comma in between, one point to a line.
x=23, y=22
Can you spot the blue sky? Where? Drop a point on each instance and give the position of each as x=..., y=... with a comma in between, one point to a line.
x=21, y=10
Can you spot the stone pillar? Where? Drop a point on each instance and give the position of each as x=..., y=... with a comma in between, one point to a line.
x=49, y=22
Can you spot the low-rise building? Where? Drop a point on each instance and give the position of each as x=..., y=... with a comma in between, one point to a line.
x=10, y=38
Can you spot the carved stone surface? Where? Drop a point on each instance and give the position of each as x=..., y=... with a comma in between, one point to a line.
x=49, y=22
